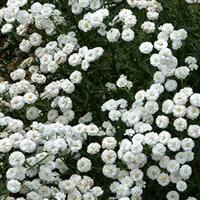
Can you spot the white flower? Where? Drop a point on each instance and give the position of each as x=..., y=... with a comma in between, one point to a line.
x=180, y=98
x=15, y=139
x=18, y=74
x=60, y=57
x=6, y=28
x=85, y=65
x=159, y=149
x=181, y=157
x=33, y=195
x=38, y=78
x=151, y=107
x=110, y=171
x=17, y=102
x=114, y=115
x=122, y=81
x=137, y=192
x=154, y=92
x=35, y=39
x=175, y=177
x=84, y=3
x=109, y=143
x=181, y=186
x=45, y=174
x=13, y=186
x=92, y=129
x=160, y=44
x=76, y=77
x=148, y=27
x=122, y=190
x=185, y=171
x=153, y=172
x=187, y=144
x=113, y=35
x=163, y=35
x=23, y=17
x=177, y=35
x=124, y=13
x=30, y=98
x=190, y=60
x=190, y=156
x=90, y=55
x=96, y=19
x=93, y=148
x=130, y=21
x=67, y=86
x=164, y=137
x=64, y=103
x=163, y=179
x=27, y=146
x=15, y=125
x=84, y=25
x=136, y=174
x=88, y=195
x=171, y=85
x=155, y=60
x=152, y=15
x=76, y=8
x=180, y=124
x=52, y=115
x=109, y=156
x=68, y=48
x=174, y=144
x=128, y=157
x=146, y=47
x=164, y=161
x=162, y=121
x=66, y=185
x=75, y=145
x=32, y=113
x=128, y=35
x=25, y=46
x=97, y=191
x=21, y=29
x=84, y=165
x=16, y=159
x=182, y=72
x=151, y=138
x=60, y=196
x=195, y=99
x=172, y=195
x=173, y=166
x=179, y=111
x=74, y=59
x=191, y=198
x=95, y=4
x=167, y=106
x=194, y=131
x=166, y=28
x=193, y=67
x=187, y=91
x=158, y=77
x=136, y=147
x=6, y=145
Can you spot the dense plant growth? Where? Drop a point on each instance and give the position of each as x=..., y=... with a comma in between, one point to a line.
x=99, y=99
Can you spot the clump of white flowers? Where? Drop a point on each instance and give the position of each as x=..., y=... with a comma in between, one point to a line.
x=48, y=151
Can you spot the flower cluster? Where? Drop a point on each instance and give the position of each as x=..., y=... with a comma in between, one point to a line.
x=50, y=149
x=43, y=16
